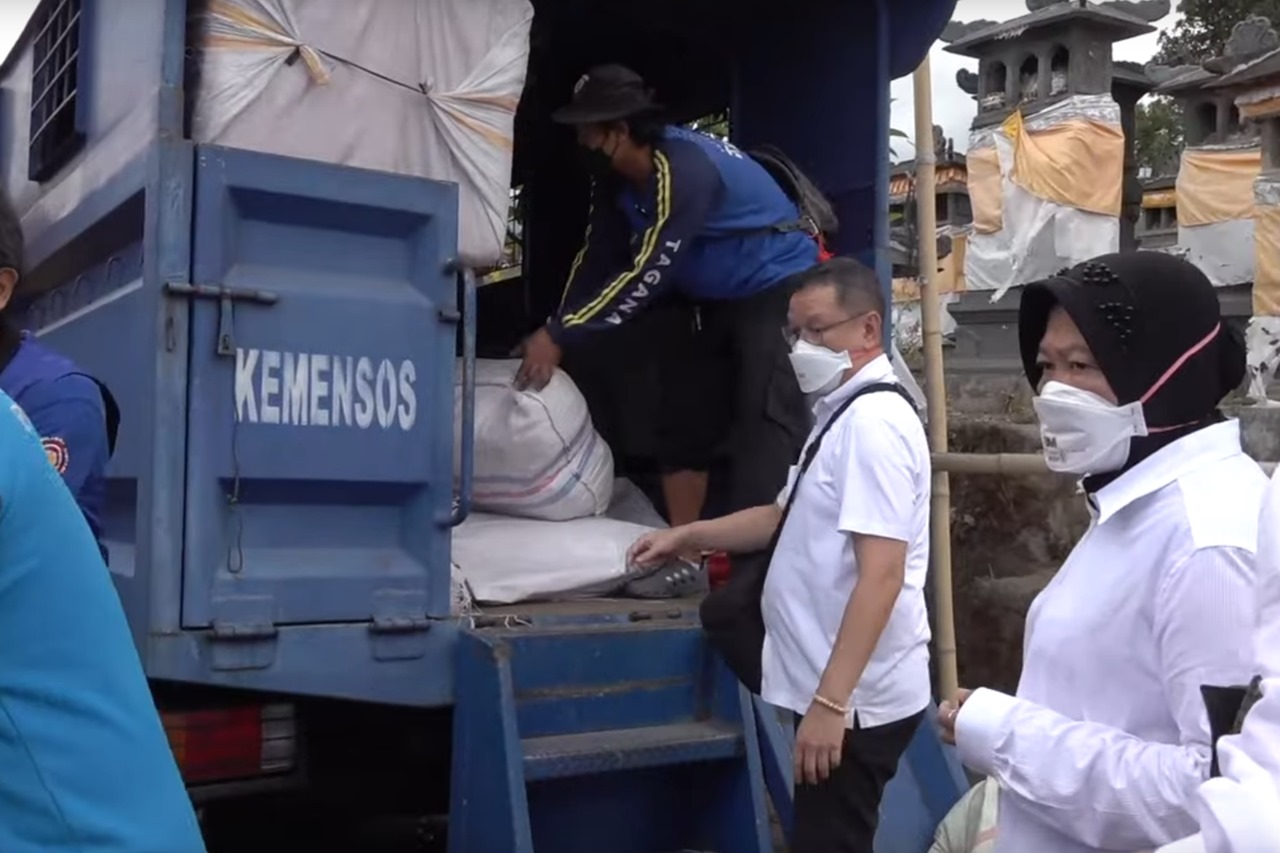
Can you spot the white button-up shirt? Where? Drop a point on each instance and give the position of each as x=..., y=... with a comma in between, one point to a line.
x=1107, y=741
x=1240, y=810
x=870, y=476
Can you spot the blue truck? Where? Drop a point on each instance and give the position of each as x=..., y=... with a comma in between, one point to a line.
x=285, y=562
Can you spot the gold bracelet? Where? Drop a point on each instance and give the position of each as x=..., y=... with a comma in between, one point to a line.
x=842, y=710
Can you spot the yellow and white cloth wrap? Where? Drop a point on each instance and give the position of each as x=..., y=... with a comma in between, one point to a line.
x=1045, y=191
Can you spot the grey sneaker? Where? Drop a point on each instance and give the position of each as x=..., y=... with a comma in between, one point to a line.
x=674, y=580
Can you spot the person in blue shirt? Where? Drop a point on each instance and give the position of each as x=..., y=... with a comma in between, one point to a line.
x=75, y=414
x=676, y=213
x=85, y=765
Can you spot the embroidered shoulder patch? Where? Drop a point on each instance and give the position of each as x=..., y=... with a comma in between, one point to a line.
x=56, y=450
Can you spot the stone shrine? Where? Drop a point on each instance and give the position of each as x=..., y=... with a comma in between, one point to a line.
x=1056, y=58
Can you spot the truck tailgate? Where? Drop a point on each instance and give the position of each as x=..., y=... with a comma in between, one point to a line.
x=323, y=327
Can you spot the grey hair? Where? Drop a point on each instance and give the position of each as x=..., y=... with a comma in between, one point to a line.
x=10, y=236
x=856, y=285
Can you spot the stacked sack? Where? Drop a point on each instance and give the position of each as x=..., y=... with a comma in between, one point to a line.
x=543, y=482
x=537, y=454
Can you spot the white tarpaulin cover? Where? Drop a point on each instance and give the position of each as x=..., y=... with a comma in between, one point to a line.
x=1222, y=250
x=416, y=87
x=537, y=454
x=508, y=560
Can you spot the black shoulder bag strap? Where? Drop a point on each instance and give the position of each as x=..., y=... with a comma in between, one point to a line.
x=731, y=614
x=811, y=452
x=1227, y=708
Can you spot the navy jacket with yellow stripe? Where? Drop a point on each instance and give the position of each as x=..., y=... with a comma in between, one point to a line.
x=703, y=227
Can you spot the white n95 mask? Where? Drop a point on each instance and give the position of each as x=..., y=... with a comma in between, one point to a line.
x=818, y=369
x=1084, y=434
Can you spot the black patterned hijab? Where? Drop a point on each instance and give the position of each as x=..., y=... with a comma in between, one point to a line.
x=1153, y=322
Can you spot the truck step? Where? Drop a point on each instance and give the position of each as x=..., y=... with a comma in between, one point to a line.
x=587, y=753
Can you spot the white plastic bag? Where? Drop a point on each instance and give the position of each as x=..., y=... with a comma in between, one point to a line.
x=970, y=826
x=507, y=560
x=537, y=454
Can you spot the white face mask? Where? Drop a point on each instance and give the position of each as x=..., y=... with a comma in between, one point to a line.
x=818, y=369
x=1084, y=434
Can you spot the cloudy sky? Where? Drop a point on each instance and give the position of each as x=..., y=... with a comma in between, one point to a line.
x=13, y=17
x=951, y=108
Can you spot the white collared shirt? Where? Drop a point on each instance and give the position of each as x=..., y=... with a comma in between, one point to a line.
x=1240, y=810
x=1108, y=739
x=870, y=476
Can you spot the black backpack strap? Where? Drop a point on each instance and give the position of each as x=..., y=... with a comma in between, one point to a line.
x=112, y=411
x=816, y=214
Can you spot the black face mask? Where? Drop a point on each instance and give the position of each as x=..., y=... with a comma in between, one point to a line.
x=598, y=162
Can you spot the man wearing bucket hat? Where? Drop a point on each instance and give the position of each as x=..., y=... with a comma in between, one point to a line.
x=680, y=214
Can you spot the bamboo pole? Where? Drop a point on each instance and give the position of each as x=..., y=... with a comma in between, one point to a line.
x=935, y=390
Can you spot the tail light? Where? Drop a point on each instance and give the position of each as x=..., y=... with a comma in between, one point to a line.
x=233, y=743
x=717, y=568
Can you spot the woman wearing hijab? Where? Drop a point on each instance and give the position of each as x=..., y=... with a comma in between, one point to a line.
x=1107, y=739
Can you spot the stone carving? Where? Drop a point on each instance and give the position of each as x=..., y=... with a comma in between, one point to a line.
x=943, y=148
x=967, y=81
x=1144, y=10
x=1037, y=5
x=1162, y=74
x=1251, y=37
x=956, y=30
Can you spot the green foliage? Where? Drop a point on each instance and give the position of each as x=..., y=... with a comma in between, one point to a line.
x=716, y=124
x=1205, y=27
x=1200, y=35
x=1158, y=131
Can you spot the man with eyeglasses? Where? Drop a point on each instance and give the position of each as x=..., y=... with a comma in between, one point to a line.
x=845, y=636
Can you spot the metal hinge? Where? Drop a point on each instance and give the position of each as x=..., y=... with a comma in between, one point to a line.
x=399, y=624
x=226, y=297
x=243, y=632
x=231, y=631
x=399, y=627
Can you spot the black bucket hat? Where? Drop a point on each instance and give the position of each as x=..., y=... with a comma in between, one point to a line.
x=607, y=93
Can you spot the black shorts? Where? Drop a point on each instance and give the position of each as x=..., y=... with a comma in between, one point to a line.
x=728, y=392
x=621, y=371
x=704, y=387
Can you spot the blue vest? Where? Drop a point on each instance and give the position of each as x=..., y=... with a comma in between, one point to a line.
x=706, y=225
x=60, y=399
x=735, y=253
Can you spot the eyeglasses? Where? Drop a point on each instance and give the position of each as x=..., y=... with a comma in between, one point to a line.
x=814, y=336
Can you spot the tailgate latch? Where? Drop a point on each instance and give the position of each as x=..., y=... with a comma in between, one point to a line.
x=226, y=297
